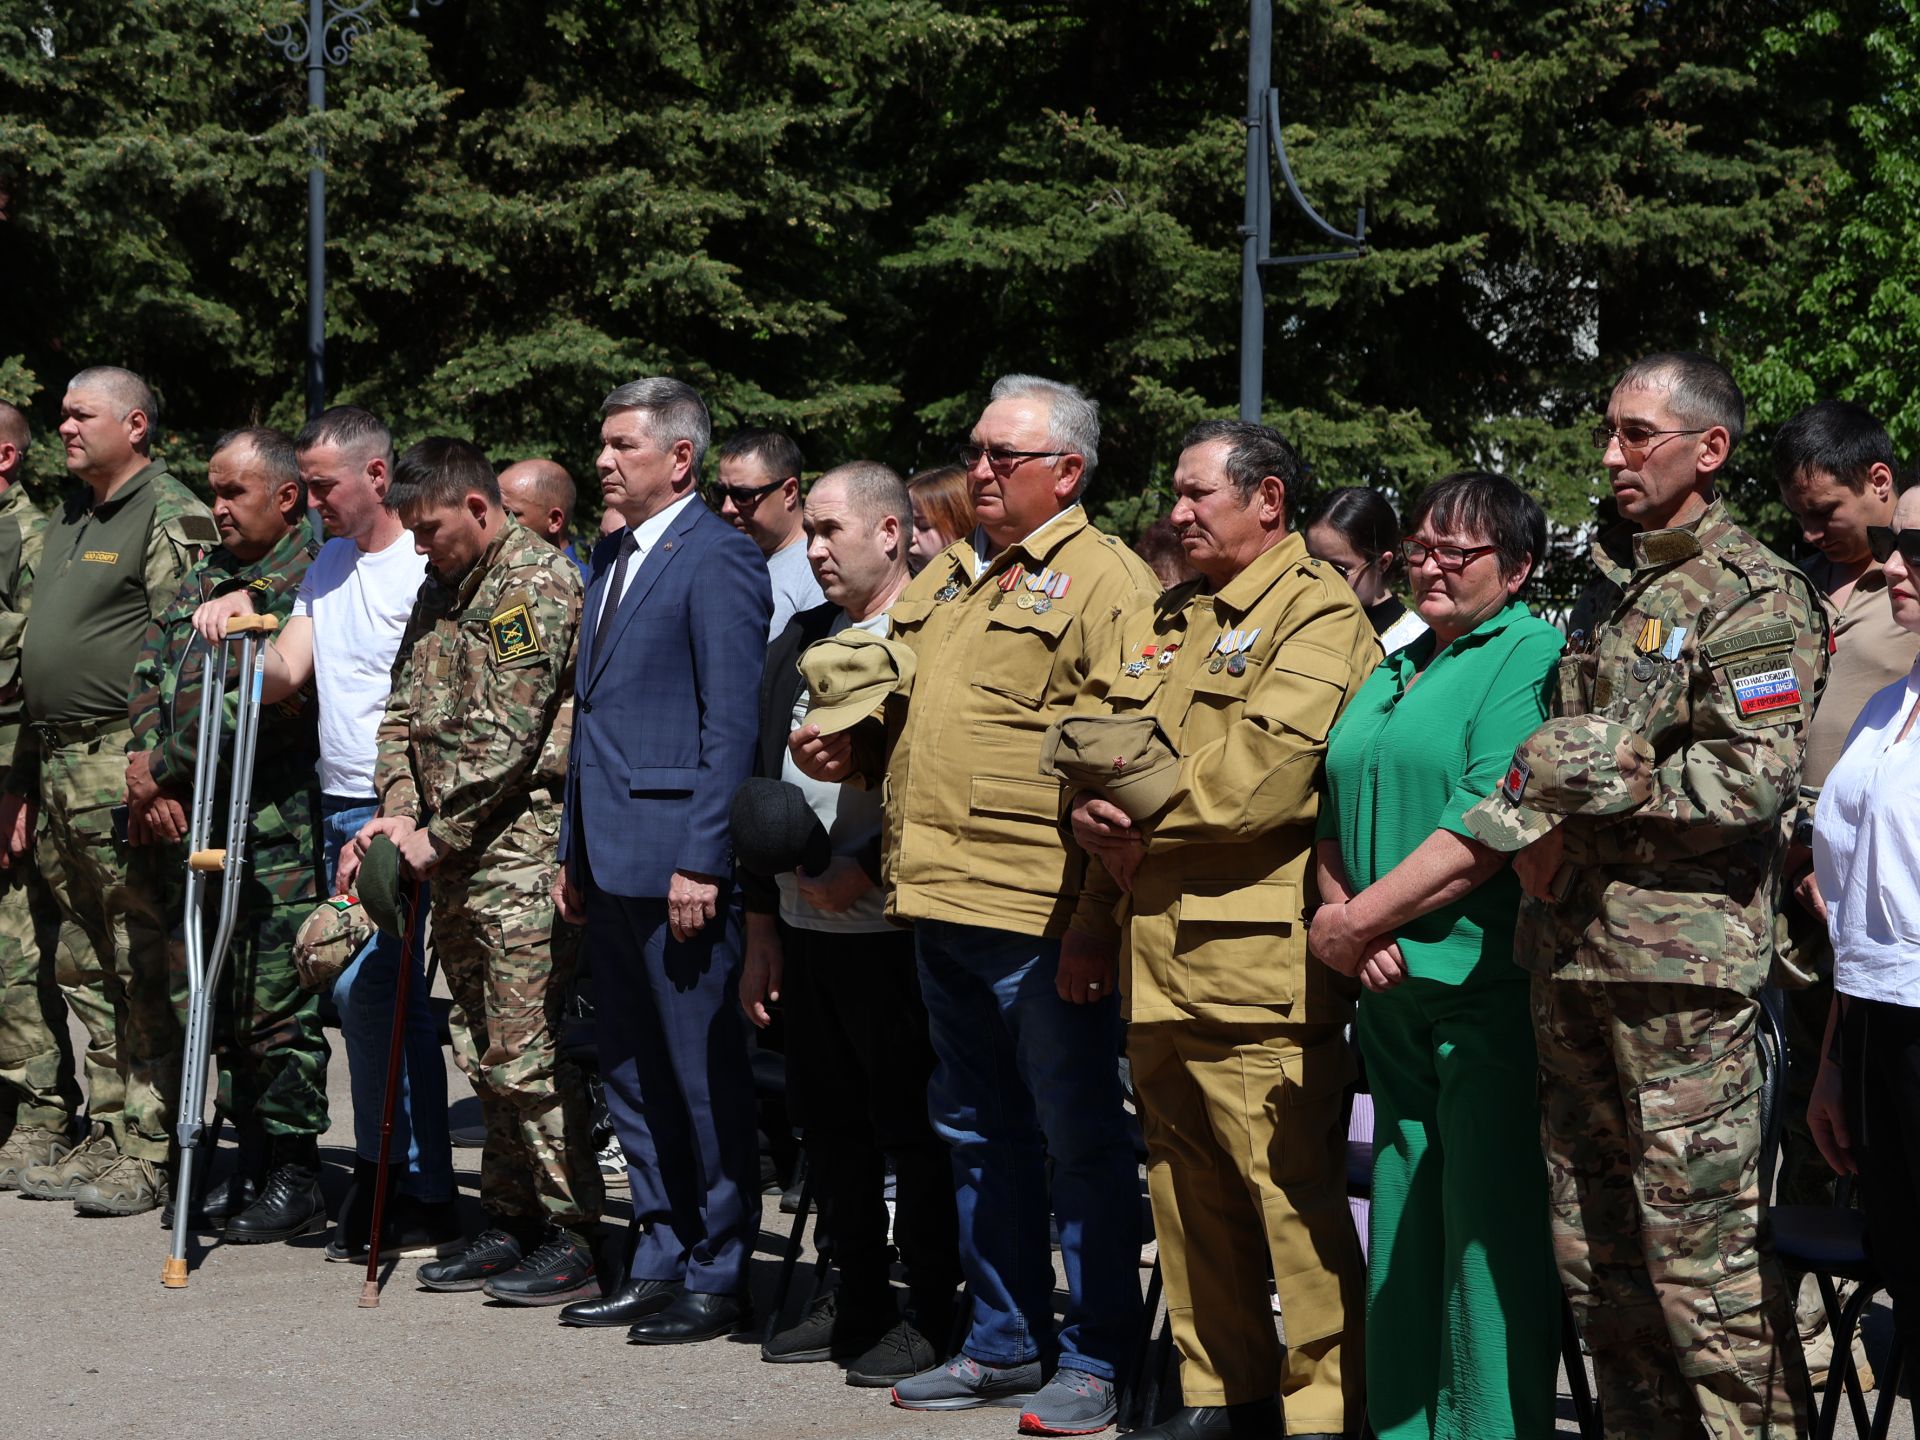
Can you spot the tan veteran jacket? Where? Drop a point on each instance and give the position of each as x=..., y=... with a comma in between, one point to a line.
x=972, y=827
x=1217, y=911
x=1715, y=649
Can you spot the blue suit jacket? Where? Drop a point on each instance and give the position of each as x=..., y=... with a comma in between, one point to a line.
x=666, y=721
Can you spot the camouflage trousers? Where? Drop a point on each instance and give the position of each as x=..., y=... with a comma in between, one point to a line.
x=1650, y=1098
x=133, y=1040
x=37, y=1084
x=510, y=962
x=266, y=1029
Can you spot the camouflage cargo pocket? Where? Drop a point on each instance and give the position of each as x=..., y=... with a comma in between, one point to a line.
x=1700, y=1130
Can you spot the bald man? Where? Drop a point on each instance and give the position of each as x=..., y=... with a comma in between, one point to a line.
x=39, y=1095
x=540, y=494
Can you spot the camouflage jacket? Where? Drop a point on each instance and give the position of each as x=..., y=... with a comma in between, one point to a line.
x=482, y=708
x=164, y=704
x=1714, y=649
x=23, y=529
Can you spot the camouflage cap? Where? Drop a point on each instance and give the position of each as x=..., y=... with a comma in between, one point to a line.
x=1578, y=765
x=850, y=675
x=328, y=940
x=380, y=886
x=1127, y=758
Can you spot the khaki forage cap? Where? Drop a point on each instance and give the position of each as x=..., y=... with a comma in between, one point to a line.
x=850, y=675
x=1127, y=758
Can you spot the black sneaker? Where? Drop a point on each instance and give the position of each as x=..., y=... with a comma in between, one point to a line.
x=832, y=1329
x=492, y=1252
x=559, y=1271
x=897, y=1355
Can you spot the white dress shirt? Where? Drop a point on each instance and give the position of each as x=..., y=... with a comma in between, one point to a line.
x=646, y=535
x=1866, y=852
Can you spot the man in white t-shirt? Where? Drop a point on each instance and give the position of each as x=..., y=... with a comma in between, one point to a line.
x=758, y=493
x=858, y=1056
x=344, y=633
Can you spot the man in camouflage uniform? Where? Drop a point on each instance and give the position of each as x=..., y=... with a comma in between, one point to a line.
x=113, y=557
x=1649, y=933
x=38, y=1093
x=273, y=1076
x=472, y=757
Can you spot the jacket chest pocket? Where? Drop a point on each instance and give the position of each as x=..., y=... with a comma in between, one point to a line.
x=908, y=617
x=1017, y=652
x=1220, y=691
x=1130, y=693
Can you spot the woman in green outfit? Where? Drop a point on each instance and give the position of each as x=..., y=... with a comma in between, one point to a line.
x=1463, y=1302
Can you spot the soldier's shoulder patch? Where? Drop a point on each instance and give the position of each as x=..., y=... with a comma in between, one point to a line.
x=512, y=633
x=197, y=528
x=1766, y=691
x=1761, y=637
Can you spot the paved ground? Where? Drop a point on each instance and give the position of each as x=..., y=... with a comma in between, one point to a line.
x=270, y=1340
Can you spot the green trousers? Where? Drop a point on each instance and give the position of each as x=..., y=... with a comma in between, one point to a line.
x=1463, y=1300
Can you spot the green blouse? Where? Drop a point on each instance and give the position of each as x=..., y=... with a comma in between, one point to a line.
x=1402, y=763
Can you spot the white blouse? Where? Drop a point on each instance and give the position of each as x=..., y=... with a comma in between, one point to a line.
x=1866, y=852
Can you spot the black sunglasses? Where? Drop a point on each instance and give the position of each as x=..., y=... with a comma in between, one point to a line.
x=1883, y=540
x=745, y=497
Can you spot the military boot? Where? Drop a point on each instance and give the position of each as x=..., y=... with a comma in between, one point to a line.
x=129, y=1186
x=291, y=1204
x=71, y=1167
x=27, y=1146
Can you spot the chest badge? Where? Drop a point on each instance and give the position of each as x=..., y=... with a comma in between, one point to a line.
x=948, y=591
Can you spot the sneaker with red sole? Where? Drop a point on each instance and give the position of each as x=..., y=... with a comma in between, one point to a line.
x=1072, y=1403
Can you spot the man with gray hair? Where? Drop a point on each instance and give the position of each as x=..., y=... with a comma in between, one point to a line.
x=127, y=535
x=38, y=1093
x=1006, y=627
x=858, y=1057
x=672, y=638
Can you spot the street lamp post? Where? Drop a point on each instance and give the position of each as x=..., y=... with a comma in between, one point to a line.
x=323, y=37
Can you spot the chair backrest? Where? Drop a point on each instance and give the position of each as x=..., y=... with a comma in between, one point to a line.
x=1772, y=1039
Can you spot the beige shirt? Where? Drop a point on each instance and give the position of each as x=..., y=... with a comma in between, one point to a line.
x=1870, y=653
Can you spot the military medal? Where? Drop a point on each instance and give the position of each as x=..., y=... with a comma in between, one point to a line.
x=1024, y=600
x=1216, y=665
x=1137, y=668
x=1042, y=605
x=1642, y=668
x=1236, y=664
x=994, y=603
x=947, y=591
x=1166, y=656
x=1229, y=651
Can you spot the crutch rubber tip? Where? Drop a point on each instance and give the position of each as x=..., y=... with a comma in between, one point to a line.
x=370, y=1295
x=173, y=1274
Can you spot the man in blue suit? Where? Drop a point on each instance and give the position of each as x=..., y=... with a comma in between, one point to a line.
x=665, y=724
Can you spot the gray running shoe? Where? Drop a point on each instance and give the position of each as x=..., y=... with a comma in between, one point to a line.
x=963, y=1383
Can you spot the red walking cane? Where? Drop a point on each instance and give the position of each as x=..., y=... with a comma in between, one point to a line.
x=370, y=1291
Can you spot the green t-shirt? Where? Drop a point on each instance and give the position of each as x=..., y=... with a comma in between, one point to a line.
x=1403, y=763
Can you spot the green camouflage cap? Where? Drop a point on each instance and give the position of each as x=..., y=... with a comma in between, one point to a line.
x=379, y=886
x=1127, y=758
x=1577, y=765
x=328, y=940
x=850, y=675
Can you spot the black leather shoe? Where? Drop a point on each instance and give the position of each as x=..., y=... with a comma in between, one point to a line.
x=290, y=1204
x=493, y=1252
x=559, y=1271
x=691, y=1318
x=632, y=1301
x=1250, y=1420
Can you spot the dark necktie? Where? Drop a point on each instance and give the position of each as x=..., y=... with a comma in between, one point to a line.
x=616, y=588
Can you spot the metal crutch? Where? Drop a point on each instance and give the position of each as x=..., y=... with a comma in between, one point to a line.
x=205, y=963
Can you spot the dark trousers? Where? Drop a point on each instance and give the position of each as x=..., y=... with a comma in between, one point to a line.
x=673, y=1064
x=1881, y=1050
x=858, y=1062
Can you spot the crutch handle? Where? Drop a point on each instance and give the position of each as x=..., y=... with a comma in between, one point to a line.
x=209, y=860
x=241, y=624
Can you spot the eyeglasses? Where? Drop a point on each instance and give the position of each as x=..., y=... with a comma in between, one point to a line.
x=1636, y=441
x=1451, y=558
x=1883, y=540
x=1002, y=462
x=1345, y=571
x=745, y=497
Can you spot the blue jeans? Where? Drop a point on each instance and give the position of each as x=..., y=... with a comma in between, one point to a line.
x=1021, y=1076
x=364, y=996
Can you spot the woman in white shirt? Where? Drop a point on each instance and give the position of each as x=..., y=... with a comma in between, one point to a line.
x=1865, y=1111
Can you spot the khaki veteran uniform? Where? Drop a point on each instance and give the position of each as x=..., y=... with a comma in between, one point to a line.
x=1647, y=972
x=473, y=746
x=38, y=1093
x=107, y=571
x=1004, y=645
x=1237, y=1042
